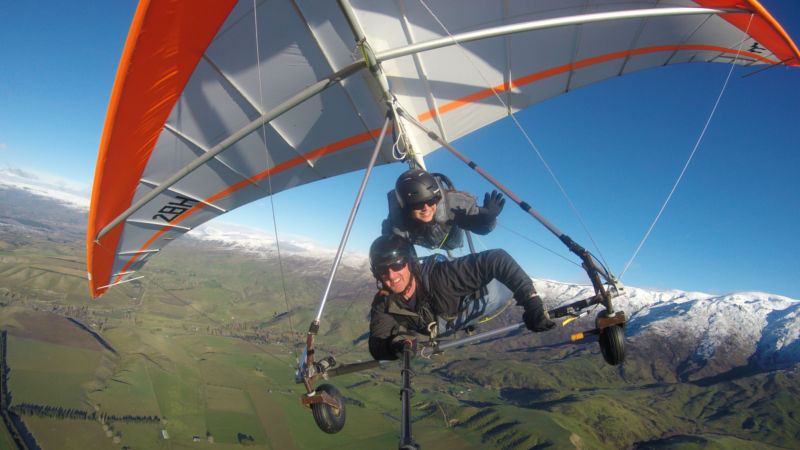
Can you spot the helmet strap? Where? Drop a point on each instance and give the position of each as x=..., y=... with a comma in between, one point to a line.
x=409, y=287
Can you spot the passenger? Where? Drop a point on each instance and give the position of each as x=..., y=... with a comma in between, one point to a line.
x=423, y=212
x=412, y=297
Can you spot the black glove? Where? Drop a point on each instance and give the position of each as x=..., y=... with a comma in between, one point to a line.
x=399, y=342
x=535, y=316
x=484, y=221
x=493, y=203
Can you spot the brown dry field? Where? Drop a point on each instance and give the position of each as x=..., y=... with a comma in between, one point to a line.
x=54, y=329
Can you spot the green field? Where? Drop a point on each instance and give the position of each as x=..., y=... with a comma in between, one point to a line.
x=207, y=354
x=34, y=380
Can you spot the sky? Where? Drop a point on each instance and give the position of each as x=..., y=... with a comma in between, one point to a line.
x=616, y=147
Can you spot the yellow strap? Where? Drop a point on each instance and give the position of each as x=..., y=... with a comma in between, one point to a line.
x=566, y=321
x=442, y=243
x=486, y=319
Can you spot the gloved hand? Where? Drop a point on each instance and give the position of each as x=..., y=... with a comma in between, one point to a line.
x=493, y=203
x=535, y=316
x=399, y=343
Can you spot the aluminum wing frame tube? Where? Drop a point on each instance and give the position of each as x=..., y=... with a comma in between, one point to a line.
x=572, y=245
x=392, y=54
x=374, y=68
x=351, y=219
x=290, y=103
x=478, y=337
x=542, y=24
x=304, y=374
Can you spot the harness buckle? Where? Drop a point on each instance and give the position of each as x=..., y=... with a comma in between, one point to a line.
x=433, y=330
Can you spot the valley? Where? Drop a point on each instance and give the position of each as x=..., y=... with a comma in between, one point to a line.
x=201, y=353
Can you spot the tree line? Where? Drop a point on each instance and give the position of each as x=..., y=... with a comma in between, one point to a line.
x=59, y=412
x=16, y=427
x=10, y=415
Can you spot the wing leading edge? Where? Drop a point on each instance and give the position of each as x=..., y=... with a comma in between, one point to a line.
x=194, y=79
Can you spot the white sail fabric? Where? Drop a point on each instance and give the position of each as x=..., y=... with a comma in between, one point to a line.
x=196, y=79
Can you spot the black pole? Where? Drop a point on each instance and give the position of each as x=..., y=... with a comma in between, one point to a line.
x=406, y=442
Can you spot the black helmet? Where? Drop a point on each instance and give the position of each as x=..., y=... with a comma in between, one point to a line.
x=390, y=249
x=416, y=186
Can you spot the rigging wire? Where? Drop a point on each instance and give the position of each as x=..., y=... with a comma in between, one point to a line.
x=538, y=244
x=269, y=184
x=691, y=155
x=522, y=236
x=522, y=130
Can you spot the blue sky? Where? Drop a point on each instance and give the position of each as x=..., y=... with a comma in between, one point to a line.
x=617, y=148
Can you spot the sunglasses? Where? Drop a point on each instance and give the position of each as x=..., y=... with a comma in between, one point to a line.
x=430, y=203
x=395, y=267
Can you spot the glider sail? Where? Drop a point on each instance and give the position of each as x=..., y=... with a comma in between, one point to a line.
x=219, y=103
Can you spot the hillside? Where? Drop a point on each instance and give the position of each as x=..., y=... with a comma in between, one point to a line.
x=207, y=342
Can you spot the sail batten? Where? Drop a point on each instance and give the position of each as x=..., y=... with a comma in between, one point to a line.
x=204, y=122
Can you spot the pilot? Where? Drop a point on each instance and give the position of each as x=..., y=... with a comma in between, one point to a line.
x=423, y=212
x=412, y=297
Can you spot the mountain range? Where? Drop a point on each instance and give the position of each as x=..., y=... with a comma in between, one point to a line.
x=715, y=333
x=732, y=343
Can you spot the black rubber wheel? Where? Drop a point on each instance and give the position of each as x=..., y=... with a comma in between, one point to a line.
x=328, y=418
x=612, y=344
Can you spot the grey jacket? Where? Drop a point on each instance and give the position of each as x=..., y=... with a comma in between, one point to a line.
x=445, y=231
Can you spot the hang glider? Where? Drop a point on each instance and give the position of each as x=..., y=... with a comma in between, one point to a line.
x=218, y=103
x=216, y=106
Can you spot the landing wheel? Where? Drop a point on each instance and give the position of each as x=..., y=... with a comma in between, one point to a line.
x=612, y=344
x=328, y=418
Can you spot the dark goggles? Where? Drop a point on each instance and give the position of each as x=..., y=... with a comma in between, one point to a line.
x=431, y=203
x=396, y=266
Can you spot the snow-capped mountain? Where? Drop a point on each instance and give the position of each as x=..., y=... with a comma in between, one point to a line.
x=62, y=190
x=743, y=328
x=711, y=332
x=704, y=333
x=261, y=242
x=253, y=240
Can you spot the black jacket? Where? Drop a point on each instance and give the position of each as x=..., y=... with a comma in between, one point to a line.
x=439, y=294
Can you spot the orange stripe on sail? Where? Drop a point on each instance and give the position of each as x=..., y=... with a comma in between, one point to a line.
x=322, y=151
x=527, y=79
x=467, y=100
x=157, y=61
x=762, y=27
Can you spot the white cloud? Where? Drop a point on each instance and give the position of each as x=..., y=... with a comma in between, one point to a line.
x=46, y=184
x=19, y=173
x=258, y=240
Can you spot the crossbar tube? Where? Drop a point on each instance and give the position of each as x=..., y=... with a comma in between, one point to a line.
x=336, y=77
x=505, y=30
x=288, y=104
x=352, y=217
